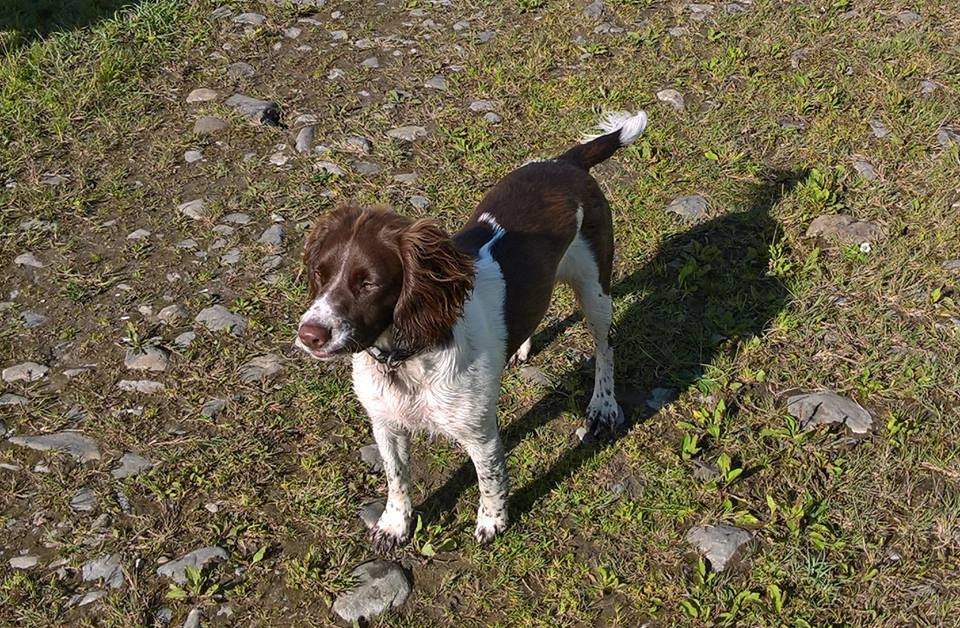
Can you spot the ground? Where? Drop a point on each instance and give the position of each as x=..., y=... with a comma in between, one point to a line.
x=781, y=113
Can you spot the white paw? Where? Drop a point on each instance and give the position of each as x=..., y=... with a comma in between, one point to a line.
x=392, y=529
x=604, y=414
x=489, y=526
x=522, y=353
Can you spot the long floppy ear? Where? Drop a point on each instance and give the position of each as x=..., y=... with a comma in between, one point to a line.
x=315, y=240
x=436, y=281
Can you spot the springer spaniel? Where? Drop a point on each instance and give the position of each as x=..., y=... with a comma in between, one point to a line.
x=431, y=319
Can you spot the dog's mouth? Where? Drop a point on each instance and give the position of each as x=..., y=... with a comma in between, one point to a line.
x=324, y=354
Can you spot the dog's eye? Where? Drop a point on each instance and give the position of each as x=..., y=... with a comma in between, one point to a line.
x=369, y=284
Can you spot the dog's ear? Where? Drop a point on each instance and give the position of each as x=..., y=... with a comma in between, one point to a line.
x=314, y=245
x=436, y=281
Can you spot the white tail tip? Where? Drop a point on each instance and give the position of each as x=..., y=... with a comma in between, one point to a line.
x=631, y=125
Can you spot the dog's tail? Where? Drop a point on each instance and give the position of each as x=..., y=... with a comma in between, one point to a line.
x=620, y=128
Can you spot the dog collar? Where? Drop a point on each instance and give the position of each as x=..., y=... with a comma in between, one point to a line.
x=391, y=359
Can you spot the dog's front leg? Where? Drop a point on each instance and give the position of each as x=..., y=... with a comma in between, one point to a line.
x=486, y=451
x=393, y=527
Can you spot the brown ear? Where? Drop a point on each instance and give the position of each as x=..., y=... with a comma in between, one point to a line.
x=315, y=240
x=436, y=281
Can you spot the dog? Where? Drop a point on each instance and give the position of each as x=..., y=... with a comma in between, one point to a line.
x=431, y=319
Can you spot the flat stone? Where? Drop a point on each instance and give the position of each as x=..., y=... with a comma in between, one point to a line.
x=83, y=599
x=163, y=616
x=240, y=70
x=260, y=368
x=370, y=454
x=173, y=314
x=83, y=500
x=948, y=135
x=865, y=169
x=82, y=448
x=292, y=32
x=846, y=229
x=31, y=319
x=879, y=129
x=718, y=544
x=106, y=568
x=410, y=133
x=798, y=56
x=928, y=87
x=10, y=399
x=208, y=125
x=406, y=179
x=28, y=259
x=436, y=82
x=825, y=407
x=950, y=264
x=594, y=10
x=131, y=464
x=420, y=202
x=705, y=471
x=792, y=124
x=53, y=179
x=250, y=19
x=146, y=359
x=380, y=586
x=139, y=234
x=254, y=109
x=485, y=36
x=218, y=318
x=271, y=262
x=212, y=407
x=533, y=375
x=238, y=218
x=366, y=168
x=272, y=235
x=481, y=106
x=371, y=511
x=908, y=17
x=279, y=159
x=184, y=340
x=176, y=570
x=672, y=97
x=195, y=209
x=360, y=144
x=25, y=372
x=492, y=118
x=143, y=386
x=692, y=208
x=304, y=141
x=330, y=168
x=371, y=63
x=24, y=562
x=201, y=94
x=193, y=618
x=660, y=398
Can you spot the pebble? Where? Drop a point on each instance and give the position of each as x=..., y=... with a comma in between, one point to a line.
x=224, y=230
x=420, y=202
x=948, y=135
x=201, y=94
x=594, y=10
x=481, y=106
x=672, y=97
x=221, y=12
x=692, y=208
x=927, y=87
x=406, y=179
x=83, y=500
x=436, y=82
x=492, y=118
x=718, y=543
x=82, y=448
x=261, y=368
x=279, y=159
x=330, y=167
x=410, y=133
x=53, y=179
x=147, y=358
x=879, y=129
x=184, y=340
x=250, y=19
x=83, y=599
x=485, y=36
x=28, y=259
x=271, y=262
x=207, y=125
x=365, y=167
x=218, y=318
x=143, y=386
x=292, y=32
x=379, y=586
x=106, y=568
x=865, y=169
x=304, y=141
x=10, y=399
x=24, y=562
x=240, y=70
x=272, y=236
x=176, y=570
x=360, y=143
x=24, y=372
x=173, y=314
x=254, y=109
x=31, y=319
x=131, y=464
x=370, y=454
x=371, y=511
x=193, y=618
x=846, y=229
x=212, y=407
x=825, y=407
x=192, y=156
x=371, y=63
x=195, y=209
x=533, y=375
x=908, y=17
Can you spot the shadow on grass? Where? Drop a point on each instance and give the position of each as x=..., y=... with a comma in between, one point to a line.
x=24, y=21
x=705, y=291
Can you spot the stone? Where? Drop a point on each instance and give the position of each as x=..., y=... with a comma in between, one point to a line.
x=705, y=471
x=31, y=319
x=360, y=143
x=139, y=234
x=292, y=32
x=927, y=87
x=256, y=110
x=692, y=208
x=163, y=616
x=82, y=448
x=792, y=124
x=485, y=36
x=230, y=257
x=846, y=229
x=212, y=407
x=380, y=586
x=406, y=179
x=371, y=63
x=371, y=511
x=261, y=368
x=240, y=70
x=370, y=454
x=594, y=10
x=279, y=159
x=83, y=599
x=184, y=340
x=250, y=19
x=106, y=568
x=533, y=375
x=950, y=264
x=28, y=259
x=131, y=464
x=272, y=235
x=24, y=562
x=304, y=141
x=948, y=135
x=825, y=407
x=192, y=156
x=201, y=94
x=271, y=262
x=879, y=129
x=481, y=106
x=238, y=218
x=221, y=12
x=176, y=570
x=147, y=358
x=195, y=209
x=219, y=318
x=907, y=18
x=660, y=397
x=330, y=168
x=53, y=179
x=492, y=118
x=193, y=618
x=436, y=82
x=173, y=314
x=718, y=543
x=672, y=97
x=208, y=125
x=144, y=386
x=799, y=55
x=410, y=133
x=25, y=372
x=365, y=167
x=335, y=73
x=865, y=169
x=420, y=202
x=10, y=399
x=83, y=500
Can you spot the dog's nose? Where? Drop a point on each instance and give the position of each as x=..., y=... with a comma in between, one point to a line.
x=314, y=336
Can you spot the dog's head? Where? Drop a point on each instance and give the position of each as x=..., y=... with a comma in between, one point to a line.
x=370, y=271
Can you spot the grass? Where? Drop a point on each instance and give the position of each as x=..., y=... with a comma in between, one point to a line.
x=734, y=314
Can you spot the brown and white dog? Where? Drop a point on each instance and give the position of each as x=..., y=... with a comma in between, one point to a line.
x=431, y=319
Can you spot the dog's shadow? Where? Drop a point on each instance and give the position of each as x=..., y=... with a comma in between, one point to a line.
x=706, y=290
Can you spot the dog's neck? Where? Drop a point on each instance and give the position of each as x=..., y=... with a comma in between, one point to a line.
x=386, y=351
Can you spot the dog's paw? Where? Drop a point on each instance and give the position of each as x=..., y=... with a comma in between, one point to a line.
x=605, y=416
x=391, y=531
x=489, y=526
x=521, y=355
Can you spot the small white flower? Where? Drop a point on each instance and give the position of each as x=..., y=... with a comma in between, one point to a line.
x=865, y=247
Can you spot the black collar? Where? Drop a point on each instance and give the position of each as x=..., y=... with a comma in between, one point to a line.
x=392, y=359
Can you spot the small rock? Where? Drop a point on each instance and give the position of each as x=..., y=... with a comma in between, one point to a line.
x=406, y=179
x=672, y=97
x=195, y=209
x=335, y=73
x=139, y=234
x=485, y=36
x=927, y=87
x=131, y=464
x=106, y=568
x=535, y=376
x=260, y=111
x=481, y=106
x=53, y=179
x=212, y=407
x=201, y=94
x=28, y=259
x=221, y=12
x=238, y=218
x=176, y=570
x=660, y=397
x=143, y=386
x=331, y=168
x=370, y=454
x=24, y=562
x=82, y=448
x=380, y=586
x=9, y=399
x=360, y=143
x=582, y=434
x=292, y=32
x=208, y=125
x=879, y=129
x=436, y=82
x=908, y=17
x=492, y=118
x=365, y=167
x=846, y=229
x=271, y=262
x=821, y=408
x=173, y=314
x=31, y=319
x=240, y=70
x=163, y=616
x=705, y=471
x=719, y=543
x=250, y=19
x=83, y=599
x=279, y=159
x=272, y=236
x=83, y=500
x=420, y=202
x=948, y=135
x=260, y=368
x=594, y=10
x=225, y=611
x=798, y=56
x=25, y=372
x=791, y=124
x=692, y=208
x=678, y=31
x=146, y=359
x=193, y=618
x=184, y=340
x=371, y=63
x=408, y=133
x=217, y=318
x=866, y=169
x=950, y=264
x=304, y=143
x=371, y=511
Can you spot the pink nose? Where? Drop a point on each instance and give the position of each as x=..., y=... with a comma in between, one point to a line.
x=314, y=336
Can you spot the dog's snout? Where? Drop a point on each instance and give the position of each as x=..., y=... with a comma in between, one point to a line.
x=314, y=336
